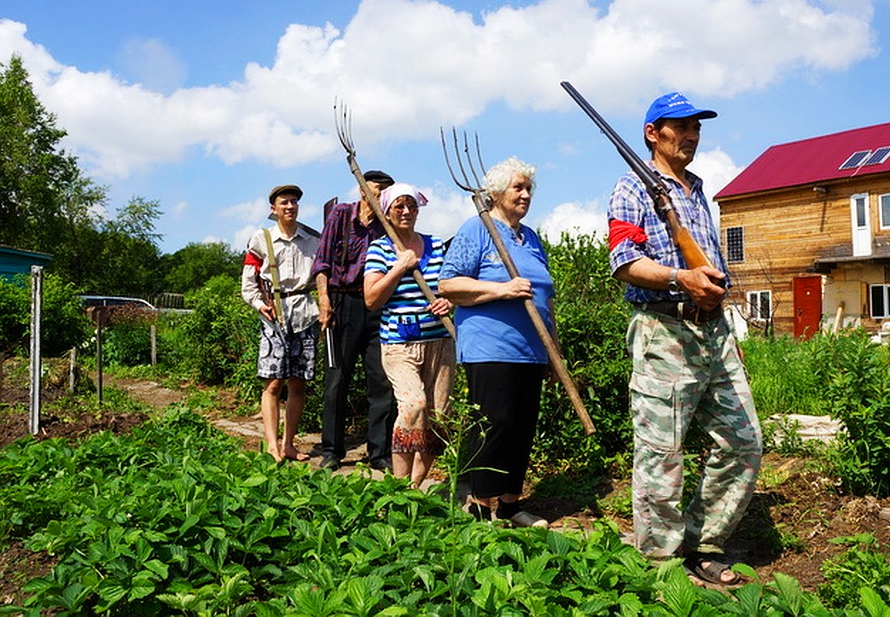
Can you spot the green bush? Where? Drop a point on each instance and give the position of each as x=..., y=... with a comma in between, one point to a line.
x=64, y=323
x=126, y=338
x=591, y=317
x=853, y=370
x=864, y=565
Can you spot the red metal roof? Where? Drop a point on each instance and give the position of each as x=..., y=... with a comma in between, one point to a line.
x=817, y=159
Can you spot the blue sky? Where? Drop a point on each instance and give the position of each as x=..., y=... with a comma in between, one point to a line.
x=205, y=105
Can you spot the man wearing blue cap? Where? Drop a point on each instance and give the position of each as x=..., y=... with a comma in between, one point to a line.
x=686, y=363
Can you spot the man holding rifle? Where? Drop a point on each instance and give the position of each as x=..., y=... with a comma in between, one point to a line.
x=275, y=281
x=339, y=274
x=686, y=362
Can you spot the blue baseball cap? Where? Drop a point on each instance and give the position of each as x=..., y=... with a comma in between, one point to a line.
x=675, y=105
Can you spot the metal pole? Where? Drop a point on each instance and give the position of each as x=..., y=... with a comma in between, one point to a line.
x=36, y=309
x=100, y=311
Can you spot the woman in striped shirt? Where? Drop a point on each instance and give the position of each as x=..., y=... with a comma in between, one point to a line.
x=417, y=351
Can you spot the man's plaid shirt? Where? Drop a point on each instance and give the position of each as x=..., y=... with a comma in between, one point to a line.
x=630, y=202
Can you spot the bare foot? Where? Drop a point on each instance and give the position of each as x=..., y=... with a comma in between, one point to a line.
x=293, y=454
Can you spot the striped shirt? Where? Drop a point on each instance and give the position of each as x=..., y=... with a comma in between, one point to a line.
x=406, y=316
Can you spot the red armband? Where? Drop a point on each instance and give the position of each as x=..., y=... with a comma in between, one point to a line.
x=254, y=261
x=622, y=230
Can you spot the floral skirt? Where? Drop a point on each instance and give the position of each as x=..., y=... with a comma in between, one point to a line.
x=421, y=375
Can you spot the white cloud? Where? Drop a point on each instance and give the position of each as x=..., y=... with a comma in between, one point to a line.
x=575, y=219
x=716, y=170
x=450, y=68
x=247, y=211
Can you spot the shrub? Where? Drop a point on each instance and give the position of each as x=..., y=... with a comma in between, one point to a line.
x=64, y=323
x=854, y=372
x=126, y=341
x=592, y=318
x=863, y=565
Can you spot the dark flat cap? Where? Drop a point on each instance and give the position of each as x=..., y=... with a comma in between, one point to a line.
x=380, y=177
x=285, y=188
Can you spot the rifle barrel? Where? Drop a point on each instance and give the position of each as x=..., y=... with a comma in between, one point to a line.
x=653, y=184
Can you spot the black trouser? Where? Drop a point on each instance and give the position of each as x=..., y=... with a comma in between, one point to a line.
x=509, y=398
x=356, y=332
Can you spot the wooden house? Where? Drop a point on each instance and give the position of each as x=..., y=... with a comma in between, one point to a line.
x=806, y=233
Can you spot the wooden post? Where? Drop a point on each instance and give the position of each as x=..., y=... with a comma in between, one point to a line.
x=72, y=370
x=153, y=331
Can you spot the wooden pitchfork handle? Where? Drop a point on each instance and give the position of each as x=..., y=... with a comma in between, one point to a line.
x=345, y=139
x=552, y=352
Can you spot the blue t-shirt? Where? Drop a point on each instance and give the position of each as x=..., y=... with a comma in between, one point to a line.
x=499, y=331
x=405, y=316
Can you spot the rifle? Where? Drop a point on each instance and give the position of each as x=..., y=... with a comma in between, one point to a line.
x=269, y=300
x=692, y=253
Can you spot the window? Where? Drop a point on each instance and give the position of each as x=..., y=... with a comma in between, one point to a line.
x=760, y=305
x=735, y=244
x=884, y=200
x=880, y=301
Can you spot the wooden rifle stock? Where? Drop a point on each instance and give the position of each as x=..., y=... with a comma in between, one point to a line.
x=692, y=253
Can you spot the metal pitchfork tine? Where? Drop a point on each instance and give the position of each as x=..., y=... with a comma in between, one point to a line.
x=343, y=123
x=465, y=185
x=481, y=201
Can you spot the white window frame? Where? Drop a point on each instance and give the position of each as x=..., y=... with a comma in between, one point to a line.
x=756, y=305
x=872, y=289
x=884, y=205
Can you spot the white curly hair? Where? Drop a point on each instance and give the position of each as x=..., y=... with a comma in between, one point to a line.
x=498, y=178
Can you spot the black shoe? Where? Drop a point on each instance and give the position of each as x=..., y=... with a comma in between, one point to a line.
x=482, y=513
x=329, y=462
x=382, y=464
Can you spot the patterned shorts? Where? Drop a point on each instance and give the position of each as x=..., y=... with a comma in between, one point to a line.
x=284, y=355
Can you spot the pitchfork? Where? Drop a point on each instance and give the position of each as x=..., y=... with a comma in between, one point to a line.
x=483, y=205
x=343, y=122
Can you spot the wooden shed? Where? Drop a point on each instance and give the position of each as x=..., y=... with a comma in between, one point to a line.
x=806, y=232
x=15, y=261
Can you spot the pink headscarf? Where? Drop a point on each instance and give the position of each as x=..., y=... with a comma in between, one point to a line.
x=399, y=189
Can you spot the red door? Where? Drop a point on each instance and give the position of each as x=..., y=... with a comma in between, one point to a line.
x=807, y=305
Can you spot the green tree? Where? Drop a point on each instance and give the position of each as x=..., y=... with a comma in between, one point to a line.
x=127, y=252
x=47, y=204
x=189, y=268
x=42, y=192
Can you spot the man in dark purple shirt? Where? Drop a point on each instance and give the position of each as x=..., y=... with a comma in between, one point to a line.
x=339, y=275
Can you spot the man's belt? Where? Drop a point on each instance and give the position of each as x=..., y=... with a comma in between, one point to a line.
x=295, y=292
x=684, y=311
x=349, y=289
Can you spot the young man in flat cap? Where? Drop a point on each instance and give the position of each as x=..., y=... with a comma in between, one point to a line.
x=339, y=275
x=686, y=363
x=276, y=280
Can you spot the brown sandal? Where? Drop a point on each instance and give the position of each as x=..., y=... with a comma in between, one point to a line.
x=713, y=572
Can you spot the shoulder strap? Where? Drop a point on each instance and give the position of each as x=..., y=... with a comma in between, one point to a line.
x=276, y=281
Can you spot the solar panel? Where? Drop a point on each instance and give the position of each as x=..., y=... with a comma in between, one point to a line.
x=878, y=156
x=855, y=159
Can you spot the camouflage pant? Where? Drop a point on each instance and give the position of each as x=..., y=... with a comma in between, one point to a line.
x=683, y=371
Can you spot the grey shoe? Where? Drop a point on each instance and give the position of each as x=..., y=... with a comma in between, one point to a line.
x=527, y=519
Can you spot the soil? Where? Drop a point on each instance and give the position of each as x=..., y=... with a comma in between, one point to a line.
x=788, y=527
